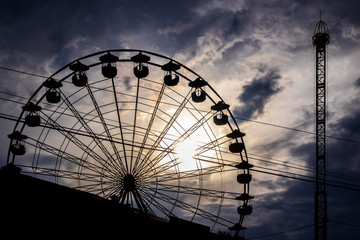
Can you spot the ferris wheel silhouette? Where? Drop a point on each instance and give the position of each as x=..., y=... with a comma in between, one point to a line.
x=141, y=129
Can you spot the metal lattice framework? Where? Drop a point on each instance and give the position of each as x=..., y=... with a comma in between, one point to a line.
x=141, y=129
x=320, y=40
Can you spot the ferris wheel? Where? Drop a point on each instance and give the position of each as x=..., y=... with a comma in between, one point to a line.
x=141, y=129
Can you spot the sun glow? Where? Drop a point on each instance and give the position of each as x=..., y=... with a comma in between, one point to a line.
x=185, y=152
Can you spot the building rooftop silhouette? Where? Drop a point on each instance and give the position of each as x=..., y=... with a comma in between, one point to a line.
x=35, y=207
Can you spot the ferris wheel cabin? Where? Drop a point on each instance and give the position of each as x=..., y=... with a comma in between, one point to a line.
x=79, y=79
x=141, y=70
x=108, y=68
x=171, y=78
x=52, y=94
x=32, y=119
x=17, y=147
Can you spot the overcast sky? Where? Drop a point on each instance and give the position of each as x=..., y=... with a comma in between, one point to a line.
x=258, y=56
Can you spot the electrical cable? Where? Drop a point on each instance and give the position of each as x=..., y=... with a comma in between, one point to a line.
x=297, y=130
x=22, y=72
x=307, y=180
x=283, y=232
x=343, y=223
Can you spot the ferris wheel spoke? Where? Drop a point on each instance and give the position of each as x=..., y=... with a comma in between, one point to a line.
x=74, y=160
x=109, y=192
x=71, y=136
x=134, y=124
x=143, y=201
x=80, y=144
x=152, y=201
x=152, y=191
x=157, y=159
x=211, y=145
x=206, y=192
x=179, y=189
x=119, y=122
x=190, y=208
x=164, y=167
x=139, y=201
x=150, y=125
x=105, y=126
x=46, y=171
x=92, y=186
x=66, y=174
x=164, y=132
x=171, y=176
x=87, y=128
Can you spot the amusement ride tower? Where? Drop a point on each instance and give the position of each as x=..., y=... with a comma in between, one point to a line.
x=320, y=39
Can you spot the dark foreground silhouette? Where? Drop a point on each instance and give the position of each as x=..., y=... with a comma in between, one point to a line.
x=41, y=209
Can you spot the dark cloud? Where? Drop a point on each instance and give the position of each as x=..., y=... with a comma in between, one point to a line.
x=258, y=92
x=238, y=23
x=127, y=83
x=357, y=82
x=284, y=210
x=348, y=125
x=241, y=48
x=343, y=155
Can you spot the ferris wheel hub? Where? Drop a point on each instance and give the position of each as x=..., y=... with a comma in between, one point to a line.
x=129, y=182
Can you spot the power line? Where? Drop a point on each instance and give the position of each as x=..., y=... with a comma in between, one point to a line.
x=283, y=232
x=295, y=129
x=285, y=174
x=300, y=228
x=343, y=223
x=274, y=125
x=78, y=132
x=344, y=186
x=22, y=72
x=299, y=167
